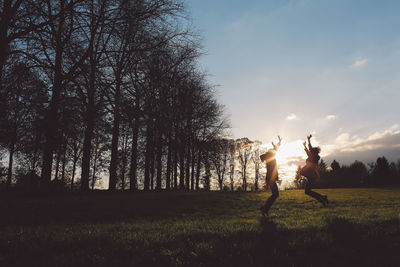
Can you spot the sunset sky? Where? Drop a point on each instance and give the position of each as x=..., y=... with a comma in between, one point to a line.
x=331, y=68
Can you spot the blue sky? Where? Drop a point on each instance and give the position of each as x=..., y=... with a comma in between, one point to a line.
x=300, y=66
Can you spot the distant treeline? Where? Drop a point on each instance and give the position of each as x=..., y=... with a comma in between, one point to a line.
x=357, y=174
x=104, y=88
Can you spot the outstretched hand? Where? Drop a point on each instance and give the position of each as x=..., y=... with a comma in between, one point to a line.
x=309, y=137
x=279, y=143
x=305, y=144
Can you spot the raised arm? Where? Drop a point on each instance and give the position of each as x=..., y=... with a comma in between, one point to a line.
x=309, y=141
x=306, y=149
x=276, y=147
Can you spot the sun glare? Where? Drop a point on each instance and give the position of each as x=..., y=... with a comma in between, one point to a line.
x=289, y=152
x=288, y=158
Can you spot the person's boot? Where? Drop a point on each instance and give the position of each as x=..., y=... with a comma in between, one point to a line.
x=325, y=197
x=264, y=211
x=322, y=201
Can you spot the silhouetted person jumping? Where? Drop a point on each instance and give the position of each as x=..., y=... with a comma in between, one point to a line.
x=271, y=177
x=310, y=171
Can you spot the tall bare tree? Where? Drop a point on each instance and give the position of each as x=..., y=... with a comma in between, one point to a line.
x=244, y=146
x=219, y=159
x=255, y=158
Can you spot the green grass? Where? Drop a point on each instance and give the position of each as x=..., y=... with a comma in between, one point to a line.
x=360, y=227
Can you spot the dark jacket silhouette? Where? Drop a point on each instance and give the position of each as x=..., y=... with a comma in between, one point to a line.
x=271, y=177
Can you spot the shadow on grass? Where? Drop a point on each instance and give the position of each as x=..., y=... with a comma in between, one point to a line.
x=104, y=207
x=339, y=243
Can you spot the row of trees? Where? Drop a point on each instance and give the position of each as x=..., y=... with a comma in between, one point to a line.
x=92, y=87
x=357, y=174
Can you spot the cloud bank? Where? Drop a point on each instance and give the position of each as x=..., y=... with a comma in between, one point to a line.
x=348, y=148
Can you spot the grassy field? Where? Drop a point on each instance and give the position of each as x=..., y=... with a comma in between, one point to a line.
x=360, y=227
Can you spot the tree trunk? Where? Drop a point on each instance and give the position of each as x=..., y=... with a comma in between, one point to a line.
x=257, y=175
x=74, y=168
x=63, y=164
x=182, y=167
x=115, y=136
x=87, y=142
x=49, y=144
x=169, y=159
x=187, y=169
x=152, y=167
x=10, y=164
x=52, y=114
x=133, y=165
x=36, y=152
x=57, y=164
x=175, y=166
x=94, y=170
x=192, y=167
x=159, y=162
x=244, y=178
x=231, y=175
x=124, y=160
x=148, y=154
x=208, y=172
x=198, y=169
x=220, y=181
x=175, y=162
x=91, y=114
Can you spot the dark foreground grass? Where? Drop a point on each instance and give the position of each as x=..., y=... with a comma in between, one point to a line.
x=361, y=227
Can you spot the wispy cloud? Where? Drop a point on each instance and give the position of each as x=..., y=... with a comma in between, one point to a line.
x=239, y=24
x=330, y=117
x=291, y=117
x=359, y=62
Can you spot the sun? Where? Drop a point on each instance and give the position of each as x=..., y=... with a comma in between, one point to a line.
x=288, y=158
x=289, y=155
x=289, y=151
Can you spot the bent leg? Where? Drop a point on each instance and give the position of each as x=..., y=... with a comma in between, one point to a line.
x=272, y=198
x=313, y=194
